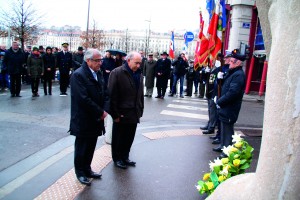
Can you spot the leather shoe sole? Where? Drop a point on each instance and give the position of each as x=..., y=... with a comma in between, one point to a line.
x=213, y=137
x=203, y=128
x=216, y=141
x=84, y=180
x=208, y=132
x=217, y=149
x=129, y=162
x=120, y=164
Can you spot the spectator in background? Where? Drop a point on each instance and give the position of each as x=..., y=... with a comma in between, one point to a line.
x=78, y=58
x=4, y=75
x=107, y=66
x=64, y=64
x=143, y=59
x=118, y=60
x=162, y=73
x=180, y=67
x=14, y=60
x=149, y=73
x=190, y=76
x=35, y=68
x=49, y=70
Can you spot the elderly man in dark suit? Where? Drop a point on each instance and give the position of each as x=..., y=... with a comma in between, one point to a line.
x=89, y=106
x=126, y=88
x=230, y=101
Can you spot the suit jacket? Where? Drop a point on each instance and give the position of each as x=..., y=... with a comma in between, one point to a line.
x=89, y=99
x=125, y=99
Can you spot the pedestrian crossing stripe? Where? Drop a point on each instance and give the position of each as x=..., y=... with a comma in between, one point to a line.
x=190, y=102
x=184, y=114
x=186, y=107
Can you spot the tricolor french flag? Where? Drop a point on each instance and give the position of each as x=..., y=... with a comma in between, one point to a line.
x=172, y=48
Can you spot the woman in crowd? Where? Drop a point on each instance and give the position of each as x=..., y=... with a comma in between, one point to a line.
x=49, y=70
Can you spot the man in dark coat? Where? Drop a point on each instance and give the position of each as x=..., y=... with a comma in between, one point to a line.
x=126, y=91
x=162, y=73
x=231, y=100
x=109, y=64
x=14, y=60
x=89, y=106
x=78, y=58
x=149, y=73
x=64, y=64
x=180, y=68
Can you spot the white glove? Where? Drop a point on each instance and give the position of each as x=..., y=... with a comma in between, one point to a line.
x=220, y=75
x=215, y=99
x=207, y=69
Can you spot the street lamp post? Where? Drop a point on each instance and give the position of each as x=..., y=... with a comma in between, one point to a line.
x=147, y=37
x=87, y=24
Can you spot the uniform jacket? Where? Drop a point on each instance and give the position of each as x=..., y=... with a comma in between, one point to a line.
x=64, y=62
x=89, y=99
x=149, y=72
x=14, y=61
x=164, y=67
x=35, y=65
x=231, y=96
x=126, y=100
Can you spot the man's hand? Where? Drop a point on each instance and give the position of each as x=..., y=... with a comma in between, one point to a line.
x=220, y=75
x=103, y=115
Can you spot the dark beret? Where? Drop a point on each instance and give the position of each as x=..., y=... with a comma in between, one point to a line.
x=239, y=57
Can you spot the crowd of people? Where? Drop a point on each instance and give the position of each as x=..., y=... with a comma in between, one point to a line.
x=115, y=85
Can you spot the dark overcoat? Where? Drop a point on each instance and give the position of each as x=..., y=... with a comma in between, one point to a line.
x=149, y=73
x=126, y=101
x=232, y=95
x=14, y=61
x=89, y=99
x=35, y=65
x=163, y=66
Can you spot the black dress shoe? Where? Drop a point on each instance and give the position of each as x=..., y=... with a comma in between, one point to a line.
x=84, y=180
x=213, y=137
x=129, y=162
x=218, y=149
x=157, y=96
x=94, y=175
x=121, y=164
x=12, y=95
x=18, y=95
x=208, y=131
x=222, y=155
x=216, y=141
x=145, y=95
x=203, y=127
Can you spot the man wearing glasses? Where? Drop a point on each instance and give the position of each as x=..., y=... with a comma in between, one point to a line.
x=230, y=101
x=89, y=107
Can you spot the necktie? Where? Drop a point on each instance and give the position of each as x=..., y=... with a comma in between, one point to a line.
x=95, y=76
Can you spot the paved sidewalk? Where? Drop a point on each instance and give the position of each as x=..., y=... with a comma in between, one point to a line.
x=169, y=165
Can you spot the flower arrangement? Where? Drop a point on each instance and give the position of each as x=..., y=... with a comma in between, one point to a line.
x=238, y=160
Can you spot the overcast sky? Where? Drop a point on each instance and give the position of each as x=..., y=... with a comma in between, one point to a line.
x=165, y=15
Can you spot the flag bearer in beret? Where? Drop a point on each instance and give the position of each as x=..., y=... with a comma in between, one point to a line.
x=230, y=101
x=64, y=63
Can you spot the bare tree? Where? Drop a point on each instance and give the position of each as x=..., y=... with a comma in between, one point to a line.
x=95, y=38
x=23, y=21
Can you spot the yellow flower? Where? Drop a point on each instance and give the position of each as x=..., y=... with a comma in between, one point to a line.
x=238, y=144
x=206, y=176
x=225, y=160
x=236, y=162
x=221, y=178
x=233, y=149
x=209, y=185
